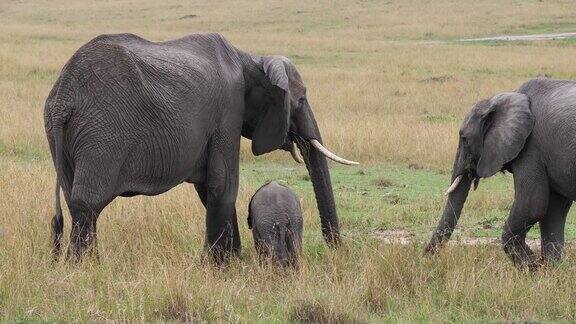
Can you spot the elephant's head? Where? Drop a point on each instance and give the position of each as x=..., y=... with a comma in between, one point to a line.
x=278, y=116
x=491, y=136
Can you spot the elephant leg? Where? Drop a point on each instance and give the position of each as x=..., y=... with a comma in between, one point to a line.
x=220, y=222
x=530, y=205
x=514, y=240
x=222, y=234
x=92, y=189
x=552, y=228
x=83, y=233
x=202, y=193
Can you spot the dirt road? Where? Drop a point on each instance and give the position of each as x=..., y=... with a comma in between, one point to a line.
x=533, y=37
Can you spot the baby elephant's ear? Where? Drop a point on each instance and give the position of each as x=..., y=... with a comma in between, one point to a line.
x=250, y=213
x=249, y=220
x=510, y=123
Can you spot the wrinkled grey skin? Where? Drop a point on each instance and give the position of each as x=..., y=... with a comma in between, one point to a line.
x=275, y=217
x=132, y=117
x=531, y=133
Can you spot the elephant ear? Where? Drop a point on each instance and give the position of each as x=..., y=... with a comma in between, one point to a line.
x=510, y=122
x=272, y=129
x=250, y=218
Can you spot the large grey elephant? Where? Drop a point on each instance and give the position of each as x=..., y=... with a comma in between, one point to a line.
x=132, y=117
x=275, y=217
x=531, y=133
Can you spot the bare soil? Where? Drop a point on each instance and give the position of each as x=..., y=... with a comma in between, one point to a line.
x=533, y=37
x=405, y=237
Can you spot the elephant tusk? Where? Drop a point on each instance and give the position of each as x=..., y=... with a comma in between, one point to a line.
x=331, y=155
x=295, y=155
x=454, y=184
x=476, y=182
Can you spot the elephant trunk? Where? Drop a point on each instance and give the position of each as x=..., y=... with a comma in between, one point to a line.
x=457, y=194
x=320, y=176
x=306, y=133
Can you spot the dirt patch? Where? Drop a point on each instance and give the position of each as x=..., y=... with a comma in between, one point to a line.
x=438, y=79
x=394, y=236
x=188, y=17
x=533, y=37
x=405, y=237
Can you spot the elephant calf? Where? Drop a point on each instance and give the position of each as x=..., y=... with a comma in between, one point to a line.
x=275, y=217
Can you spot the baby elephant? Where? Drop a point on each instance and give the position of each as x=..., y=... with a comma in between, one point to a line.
x=275, y=217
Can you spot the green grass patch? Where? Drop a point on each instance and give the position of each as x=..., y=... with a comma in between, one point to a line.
x=23, y=151
x=398, y=197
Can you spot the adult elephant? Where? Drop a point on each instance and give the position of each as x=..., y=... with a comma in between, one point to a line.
x=132, y=117
x=531, y=133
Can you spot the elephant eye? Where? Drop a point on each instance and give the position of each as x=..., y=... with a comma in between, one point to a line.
x=300, y=102
x=464, y=140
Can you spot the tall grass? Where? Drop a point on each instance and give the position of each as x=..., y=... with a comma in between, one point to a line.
x=388, y=85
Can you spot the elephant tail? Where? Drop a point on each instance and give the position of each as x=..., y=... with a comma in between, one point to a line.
x=58, y=135
x=58, y=219
x=57, y=112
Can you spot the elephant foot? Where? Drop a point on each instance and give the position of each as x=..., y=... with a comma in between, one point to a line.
x=332, y=238
x=431, y=248
x=82, y=245
x=223, y=249
x=436, y=242
x=222, y=234
x=76, y=256
x=219, y=256
x=520, y=253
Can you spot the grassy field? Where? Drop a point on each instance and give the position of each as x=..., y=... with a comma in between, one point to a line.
x=389, y=84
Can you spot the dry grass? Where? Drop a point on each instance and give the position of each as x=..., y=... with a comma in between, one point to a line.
x=388, y=86
x=363, y=62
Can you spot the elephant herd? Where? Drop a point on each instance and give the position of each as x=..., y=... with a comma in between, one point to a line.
x=132, y=117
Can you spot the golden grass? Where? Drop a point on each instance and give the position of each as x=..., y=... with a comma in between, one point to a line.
x=365, y=64
x=150, y=269
x=355, y=58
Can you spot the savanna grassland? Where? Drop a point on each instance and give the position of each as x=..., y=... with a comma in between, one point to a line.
x=389, y=84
